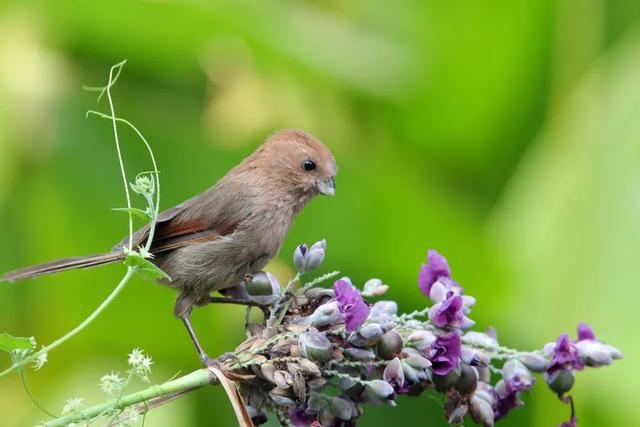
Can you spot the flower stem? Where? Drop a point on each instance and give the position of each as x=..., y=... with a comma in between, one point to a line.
x=189, y=382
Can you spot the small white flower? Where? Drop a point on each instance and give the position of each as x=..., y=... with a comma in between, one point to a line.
x=72, y=405
x=111, y=382
x=135, y=357
x=40, y=361
x=140, y=363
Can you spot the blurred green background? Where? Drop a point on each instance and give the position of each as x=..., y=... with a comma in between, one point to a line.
x=506, y=134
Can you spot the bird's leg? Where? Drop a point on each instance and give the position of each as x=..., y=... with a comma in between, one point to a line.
x=204, y=357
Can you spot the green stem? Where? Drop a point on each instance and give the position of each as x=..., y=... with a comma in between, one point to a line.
x=191, y=381
x=119, y=151
x=156, y=205
x=23, y=362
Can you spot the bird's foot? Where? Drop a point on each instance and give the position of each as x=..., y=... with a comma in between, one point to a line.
x=217, y=362
x=209, y=362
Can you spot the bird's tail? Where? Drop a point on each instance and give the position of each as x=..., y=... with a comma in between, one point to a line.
x=62, y=265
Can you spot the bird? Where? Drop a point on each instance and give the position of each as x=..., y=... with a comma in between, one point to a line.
x=216, y=239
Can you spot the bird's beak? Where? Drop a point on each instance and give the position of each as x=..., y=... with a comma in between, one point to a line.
x=328, y=187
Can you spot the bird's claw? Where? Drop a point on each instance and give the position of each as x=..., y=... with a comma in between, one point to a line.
x=217, y=362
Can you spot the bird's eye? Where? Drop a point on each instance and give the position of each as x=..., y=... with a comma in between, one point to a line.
x=309, y=165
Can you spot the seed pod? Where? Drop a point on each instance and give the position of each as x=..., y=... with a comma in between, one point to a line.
x=468, y=380
x=281, y=348
x=263, y=287
x=282, y=379
x=315, y=346
x=445, y=382
x=390, y=345
x=560, y=381
x=268, y=370
x=309, y=367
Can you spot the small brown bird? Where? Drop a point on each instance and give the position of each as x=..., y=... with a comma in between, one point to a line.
x=213, y=240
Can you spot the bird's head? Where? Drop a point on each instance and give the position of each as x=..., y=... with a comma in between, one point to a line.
x=298, y=161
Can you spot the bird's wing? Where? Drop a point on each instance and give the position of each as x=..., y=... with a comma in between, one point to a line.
x=203, y=218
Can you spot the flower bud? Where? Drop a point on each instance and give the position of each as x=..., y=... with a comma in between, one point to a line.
x=300, y=257
x=379, y=391
x=389, y=345
x=468, y=380
x=371, y=331
x=534, y=361
x=474, y=357
x=416, y=360
x=485, y=392
x=514, y=371
x=326, y=314
x=374, y=288
x=307, y=259
x=315, y=345
x=438, y=292
x=421, y=340
x=479, y=339
x=412, y=374
x=560, y=381
x=481, y=411
x=614, y=352
x=343, y=409
x=594, y=353
x=263, y=287
x=383, y=309
x=393, y=373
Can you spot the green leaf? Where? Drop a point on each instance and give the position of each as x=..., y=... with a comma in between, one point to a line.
x=10, y=343
x=145, y=215
x=145, y=267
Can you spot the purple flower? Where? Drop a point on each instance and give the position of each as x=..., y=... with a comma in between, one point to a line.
x=565, y=355
x=436, y=268
x=450, y=313
x=585, y=332
x=445, y=353
x=350, y=303
x=299, y=417
x=593, y=352
x=516, y=378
